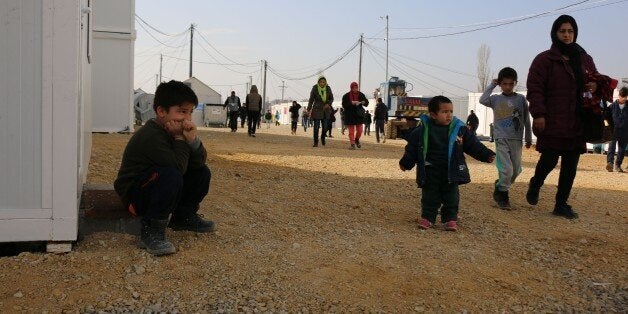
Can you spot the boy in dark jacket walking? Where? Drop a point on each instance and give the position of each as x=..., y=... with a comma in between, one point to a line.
x=163, y=176
x=437, y=147
x=620, y=135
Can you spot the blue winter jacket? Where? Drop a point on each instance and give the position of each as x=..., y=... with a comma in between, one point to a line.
x=461, y=141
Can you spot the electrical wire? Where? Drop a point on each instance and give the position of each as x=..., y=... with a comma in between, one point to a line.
x=224, y=66
x=160, y=32
x=426, y=74
x=203, y=62
x=342, y=56
x=223, y=55
x=528, y=17
x=155, y=38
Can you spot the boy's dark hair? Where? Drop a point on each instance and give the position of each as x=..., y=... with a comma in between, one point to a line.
x=379, y=99
x=173, y=93
x=434, y=104
x=623, y=92
x=507, y=73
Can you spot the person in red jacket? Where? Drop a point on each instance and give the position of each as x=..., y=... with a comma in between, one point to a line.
x=557, y=84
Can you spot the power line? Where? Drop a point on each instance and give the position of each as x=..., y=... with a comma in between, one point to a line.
x=495, y=25
x=426, y=74
x=155, y=38
x=155, y=29
x=224, y=66
x=218, y=51
x=212, y=63
x=342, y=56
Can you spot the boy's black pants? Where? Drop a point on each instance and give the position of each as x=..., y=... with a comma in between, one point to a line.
x=233, y=120
x=439, y=193
x=161, y=191
x=568, y=166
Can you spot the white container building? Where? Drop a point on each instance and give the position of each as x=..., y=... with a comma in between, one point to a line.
x=45, y=138
x=112, y=63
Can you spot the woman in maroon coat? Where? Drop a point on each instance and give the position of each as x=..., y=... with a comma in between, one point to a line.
x=556, y=87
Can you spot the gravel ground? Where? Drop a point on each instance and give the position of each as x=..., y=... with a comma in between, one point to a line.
x=327, y=229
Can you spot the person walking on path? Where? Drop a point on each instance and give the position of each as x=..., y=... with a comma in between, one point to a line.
x=277, y=117
x=268, y=118
x=353, y=103
x=556, y=85
x=619, y=112
x=305, y=121
x=368, y=120
x=243, y=115
x=331, y=118
x=473, y=122
x=233, y=110
x=510, y=112
x=437, y=147
x=381, y=118
x=294, y=116
x=321, y=97
x=253, y=108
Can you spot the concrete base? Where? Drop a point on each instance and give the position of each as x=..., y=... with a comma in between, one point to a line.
x=101, y=210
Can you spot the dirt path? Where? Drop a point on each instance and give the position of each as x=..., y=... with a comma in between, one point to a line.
x=330, y=229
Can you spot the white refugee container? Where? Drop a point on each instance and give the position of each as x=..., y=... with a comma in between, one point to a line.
x=45, y=138
x=112, y=62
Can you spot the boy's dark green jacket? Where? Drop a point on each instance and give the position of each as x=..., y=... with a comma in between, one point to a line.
x=461, y=141
x=153, y=146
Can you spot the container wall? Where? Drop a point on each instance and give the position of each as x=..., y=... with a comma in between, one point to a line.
x=20, y=104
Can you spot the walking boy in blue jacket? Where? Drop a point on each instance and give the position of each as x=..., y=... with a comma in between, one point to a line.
x=620, y=135
x=510, y=118
x=437, y=147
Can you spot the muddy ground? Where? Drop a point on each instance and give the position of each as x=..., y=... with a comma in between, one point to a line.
x=303, y=229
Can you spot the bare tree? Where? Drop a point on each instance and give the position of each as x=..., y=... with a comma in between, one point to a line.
x=484, y=72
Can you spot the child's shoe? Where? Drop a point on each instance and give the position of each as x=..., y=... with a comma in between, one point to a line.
x=565, y=210
x=424, y=224
x=501, y=198
x=619, y=169
x=451, y=225
x=352, y=146
x=609, y=167
x=357, y=143
x=532, y=196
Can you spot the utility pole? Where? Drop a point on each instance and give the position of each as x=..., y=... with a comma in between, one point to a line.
x=283, y=88
x=161, y=61
x=360, y=66
x=156, y=81
x=191, y=45
x=264, y=89
x=387, y=40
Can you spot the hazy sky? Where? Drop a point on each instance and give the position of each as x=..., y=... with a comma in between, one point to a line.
x=299, y=38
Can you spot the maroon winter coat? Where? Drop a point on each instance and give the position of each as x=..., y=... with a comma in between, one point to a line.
x=552, y=94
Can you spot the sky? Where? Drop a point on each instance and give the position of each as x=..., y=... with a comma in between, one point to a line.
x=298, y=39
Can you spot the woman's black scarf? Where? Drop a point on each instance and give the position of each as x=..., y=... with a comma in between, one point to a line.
x=573, y=51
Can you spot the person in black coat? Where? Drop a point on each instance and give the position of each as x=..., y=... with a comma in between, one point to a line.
x=353, y=104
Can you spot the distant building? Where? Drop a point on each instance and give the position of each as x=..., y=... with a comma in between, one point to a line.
x=205, y=94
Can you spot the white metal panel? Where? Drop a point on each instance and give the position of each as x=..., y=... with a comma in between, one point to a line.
x=114, y=15
x=18, y=230
x=65, y=77
x=112, y=82
x=20, y=105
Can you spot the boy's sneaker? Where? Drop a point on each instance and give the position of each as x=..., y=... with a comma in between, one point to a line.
x=357, y=143
x=609, y=167
x=501, y=198
x=565, y=210
x=424, y=224
x=193, y=223
x=618, y=169
x=352, y=146
x=451, y=225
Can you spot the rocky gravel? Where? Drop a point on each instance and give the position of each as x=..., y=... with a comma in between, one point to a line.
x=327, y=229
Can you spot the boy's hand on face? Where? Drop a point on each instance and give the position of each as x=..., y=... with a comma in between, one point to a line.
x=189, y=131
x=175, y=128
